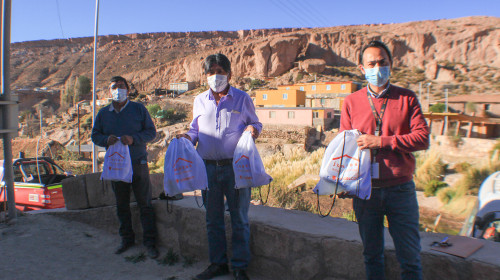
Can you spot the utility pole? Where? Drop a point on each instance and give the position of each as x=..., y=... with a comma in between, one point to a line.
x=446, y=110
x=9, y=108
x=41, y=124
x=420, y=92
x=94, y=149
x=428, y=96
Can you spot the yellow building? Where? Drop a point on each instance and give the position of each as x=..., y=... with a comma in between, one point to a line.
x=320, y=94
x=280, y=98
x=324, y=87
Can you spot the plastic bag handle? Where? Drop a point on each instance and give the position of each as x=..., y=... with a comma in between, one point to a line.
x=336, y=186
x=268, y=192
x=197, y=202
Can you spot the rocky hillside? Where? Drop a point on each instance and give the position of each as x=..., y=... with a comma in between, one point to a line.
x=446, y=51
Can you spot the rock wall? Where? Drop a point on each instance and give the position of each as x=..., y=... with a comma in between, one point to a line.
x=152, y=60
x=288, y=244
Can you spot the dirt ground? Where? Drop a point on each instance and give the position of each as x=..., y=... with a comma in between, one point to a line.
x=41, y=246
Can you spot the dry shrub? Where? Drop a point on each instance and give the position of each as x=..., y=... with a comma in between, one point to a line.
x=473, y=178
x=430, y=167
x=285, y=170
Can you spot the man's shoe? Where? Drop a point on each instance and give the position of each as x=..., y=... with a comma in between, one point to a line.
x=212, y=271
x=124, y=247
x=152, y=252
x=240, y=274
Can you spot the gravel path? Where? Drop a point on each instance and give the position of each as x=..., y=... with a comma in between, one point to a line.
x=41, y=246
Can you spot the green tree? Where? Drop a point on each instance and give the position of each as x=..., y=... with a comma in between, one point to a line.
x=82, y=89
x=437, y=108
x=154, y=110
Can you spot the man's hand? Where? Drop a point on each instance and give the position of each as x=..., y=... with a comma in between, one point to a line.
x=112, y=140
x=367, y=141
x=178, y=136
x=345, y=195
x=127, y=140
x=253, y=131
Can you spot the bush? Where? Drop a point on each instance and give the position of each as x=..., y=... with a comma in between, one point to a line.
x=462, y=167
x=286, y=169
x=472, y=180
x=437, y=108
x=153, y=110
x=256, y=83
x=445, y=195
x=433, y=186
x=430, y=167
x=495, y=151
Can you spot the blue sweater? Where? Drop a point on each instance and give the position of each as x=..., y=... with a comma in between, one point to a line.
x=133, y=120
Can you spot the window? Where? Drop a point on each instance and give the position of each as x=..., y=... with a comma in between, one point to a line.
x=302, y=88
x=291, y=114
x=287, y=87
x=329, y=115
x=313, y=87
x=322, y=101
x=342, y=87
x=315, y=115
x=486, y=107
x=272, y=114
x=328, y=87
x=264, y=97
x=285, y=96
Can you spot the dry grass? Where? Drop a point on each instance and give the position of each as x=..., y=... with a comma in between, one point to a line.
x=430, y=167
x=286, y=169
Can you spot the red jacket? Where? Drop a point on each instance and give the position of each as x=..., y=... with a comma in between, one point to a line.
x=404, y=130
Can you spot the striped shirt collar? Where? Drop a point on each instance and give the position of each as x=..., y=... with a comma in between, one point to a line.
x=381, y=94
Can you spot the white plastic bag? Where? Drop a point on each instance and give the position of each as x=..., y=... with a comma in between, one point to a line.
x=117, y=164
x=344, y=162
x=248, y=168
x=184, y=169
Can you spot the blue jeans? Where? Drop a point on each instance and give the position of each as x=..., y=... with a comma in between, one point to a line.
x=221, y=183
x=141, y=186
x=399, y=204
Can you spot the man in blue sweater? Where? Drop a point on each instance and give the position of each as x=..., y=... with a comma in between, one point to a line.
x=130, y=123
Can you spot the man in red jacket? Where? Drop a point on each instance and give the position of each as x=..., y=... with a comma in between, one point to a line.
x=393, y=127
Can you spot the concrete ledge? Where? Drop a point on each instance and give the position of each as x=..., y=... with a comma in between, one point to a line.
x=88, y=191
x=289, y=244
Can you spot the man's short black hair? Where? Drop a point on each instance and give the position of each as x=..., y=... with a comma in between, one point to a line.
x=376, y=44
x=117, y=79
x=218, y=59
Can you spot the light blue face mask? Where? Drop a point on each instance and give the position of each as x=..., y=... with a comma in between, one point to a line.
x=378, y=76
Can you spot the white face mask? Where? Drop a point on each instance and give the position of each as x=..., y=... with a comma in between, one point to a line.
x=119, y=95
x=217, y=82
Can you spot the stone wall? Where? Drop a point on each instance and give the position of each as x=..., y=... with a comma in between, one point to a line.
x=289, y=244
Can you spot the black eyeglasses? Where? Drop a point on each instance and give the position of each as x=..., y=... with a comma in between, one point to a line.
x=443, y=243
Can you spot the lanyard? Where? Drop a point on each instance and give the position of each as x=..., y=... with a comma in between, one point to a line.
x=378, y=116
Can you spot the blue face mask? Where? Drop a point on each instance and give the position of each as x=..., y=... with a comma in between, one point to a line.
x=378, y=76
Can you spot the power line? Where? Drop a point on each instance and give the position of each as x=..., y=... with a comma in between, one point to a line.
x=59, y=16
x=287, y=10
x=304, y=12
x=317, y=15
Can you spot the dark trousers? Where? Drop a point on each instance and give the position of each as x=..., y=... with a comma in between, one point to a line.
x=220, y=184
x=399, y=204
x=141, y=186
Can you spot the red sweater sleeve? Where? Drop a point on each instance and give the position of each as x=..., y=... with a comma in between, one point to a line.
x=417, y=139
x=345, y=117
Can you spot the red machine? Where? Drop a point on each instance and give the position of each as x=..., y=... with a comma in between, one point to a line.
x=37, y=184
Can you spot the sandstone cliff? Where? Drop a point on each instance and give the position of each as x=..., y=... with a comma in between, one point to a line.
x=153, y=60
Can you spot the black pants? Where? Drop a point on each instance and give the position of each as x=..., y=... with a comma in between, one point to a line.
x=141, y=187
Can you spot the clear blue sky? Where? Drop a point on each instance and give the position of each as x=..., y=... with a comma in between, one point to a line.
x=51, y=19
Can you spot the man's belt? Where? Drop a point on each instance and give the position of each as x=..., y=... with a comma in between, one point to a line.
x=220, y=162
